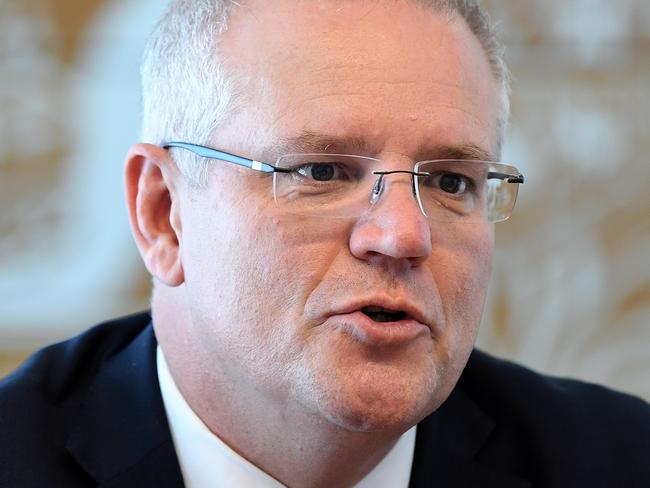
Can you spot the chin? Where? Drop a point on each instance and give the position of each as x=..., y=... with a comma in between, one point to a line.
x=377, y=399
x=378, y=418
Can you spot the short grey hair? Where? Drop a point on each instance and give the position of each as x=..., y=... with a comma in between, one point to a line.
x=188, y=91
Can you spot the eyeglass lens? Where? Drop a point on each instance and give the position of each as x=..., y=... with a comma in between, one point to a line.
x=331, y=185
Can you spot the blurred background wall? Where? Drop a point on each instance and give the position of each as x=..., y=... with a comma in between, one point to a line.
x=570, y=293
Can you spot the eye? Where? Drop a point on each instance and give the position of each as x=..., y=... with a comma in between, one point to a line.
x=452, y=183
x=322, y=171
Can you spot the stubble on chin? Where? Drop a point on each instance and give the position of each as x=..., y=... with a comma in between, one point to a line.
x=364, y=391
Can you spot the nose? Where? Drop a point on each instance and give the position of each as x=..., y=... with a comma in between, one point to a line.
x=393, y=228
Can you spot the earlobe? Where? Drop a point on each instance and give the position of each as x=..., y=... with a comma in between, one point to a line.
x=151, y=179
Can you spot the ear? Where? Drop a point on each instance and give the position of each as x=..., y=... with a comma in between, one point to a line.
x=152, y=181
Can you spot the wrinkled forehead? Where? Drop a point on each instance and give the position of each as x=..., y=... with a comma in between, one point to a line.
x=369, y=60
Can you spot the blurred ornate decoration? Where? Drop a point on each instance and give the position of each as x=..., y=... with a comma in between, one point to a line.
x=571, y=288
x=33, y=54
x=70, y=99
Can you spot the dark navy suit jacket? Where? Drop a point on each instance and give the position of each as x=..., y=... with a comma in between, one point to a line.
x=88, y=412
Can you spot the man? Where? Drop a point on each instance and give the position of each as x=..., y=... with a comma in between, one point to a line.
x=316, y=204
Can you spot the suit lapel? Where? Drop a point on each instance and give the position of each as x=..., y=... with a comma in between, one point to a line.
x=447, y=445
x=122, y=438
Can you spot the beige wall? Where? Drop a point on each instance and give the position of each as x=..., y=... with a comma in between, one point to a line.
x=571, y=287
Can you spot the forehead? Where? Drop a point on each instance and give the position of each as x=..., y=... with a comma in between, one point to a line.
x=391, y=73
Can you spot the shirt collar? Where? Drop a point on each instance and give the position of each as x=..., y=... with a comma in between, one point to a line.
x=203, y=457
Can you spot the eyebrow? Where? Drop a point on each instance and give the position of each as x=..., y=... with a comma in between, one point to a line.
x=461, y=151
x=309, y=141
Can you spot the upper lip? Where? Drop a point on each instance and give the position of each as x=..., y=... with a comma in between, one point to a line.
x=411, y=310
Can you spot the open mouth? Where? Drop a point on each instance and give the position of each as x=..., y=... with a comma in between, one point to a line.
x=379, y=314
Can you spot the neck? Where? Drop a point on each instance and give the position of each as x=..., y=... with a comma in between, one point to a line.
x=295, y=446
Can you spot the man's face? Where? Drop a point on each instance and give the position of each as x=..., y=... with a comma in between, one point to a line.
x=276, y=300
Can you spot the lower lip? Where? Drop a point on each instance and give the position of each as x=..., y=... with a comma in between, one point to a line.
x=366, y=330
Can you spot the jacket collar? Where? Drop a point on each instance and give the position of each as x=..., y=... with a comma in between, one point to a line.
x=447, y=446
x=122, y=438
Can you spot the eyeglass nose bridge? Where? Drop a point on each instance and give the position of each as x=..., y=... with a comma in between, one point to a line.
x=378, y=187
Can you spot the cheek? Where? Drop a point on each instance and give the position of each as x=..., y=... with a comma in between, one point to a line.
x=252, y=263
x=256, y=274
x=463, y=267
x=292, y=260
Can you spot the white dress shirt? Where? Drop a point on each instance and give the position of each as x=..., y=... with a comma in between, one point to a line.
x=206, y=461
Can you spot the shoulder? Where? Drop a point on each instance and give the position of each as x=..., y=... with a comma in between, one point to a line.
x=60, y=372
x=503, y=385
x=41, y=400
x=565, y=427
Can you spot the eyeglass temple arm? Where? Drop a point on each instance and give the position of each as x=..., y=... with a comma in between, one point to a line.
x=491, y=175
x=505, y=176
x=208, y=152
